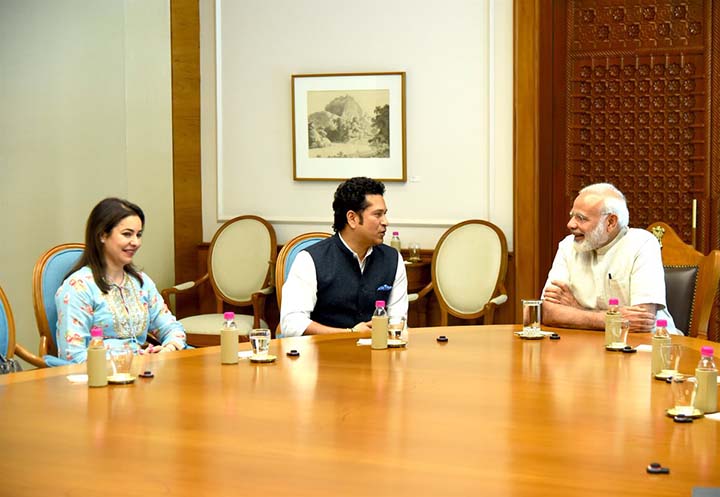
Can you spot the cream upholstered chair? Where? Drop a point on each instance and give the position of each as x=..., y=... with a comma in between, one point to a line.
x=286, y=257
x=691, y=281
x=468, y=271
x=48, y=274
x=241, y=265
x=8, y=346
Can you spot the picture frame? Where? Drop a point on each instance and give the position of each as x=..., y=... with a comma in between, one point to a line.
x=347, y=125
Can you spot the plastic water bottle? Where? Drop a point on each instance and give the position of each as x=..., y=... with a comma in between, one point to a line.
x=229, y=340
x=395, y=241
x=706, y=374
x=613, y=322
x=96, y=359
x=379, y=336
x=660, y=337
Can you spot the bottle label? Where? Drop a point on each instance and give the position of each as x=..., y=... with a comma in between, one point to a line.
x=97, y=367
x=229, y=346
x=706, y=398
x=379, y=337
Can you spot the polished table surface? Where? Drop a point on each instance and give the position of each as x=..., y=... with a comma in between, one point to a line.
x=484, y=414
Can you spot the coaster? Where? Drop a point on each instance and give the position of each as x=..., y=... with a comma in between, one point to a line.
x=526, y=336
x=697, y=413
x=665, y=374
x=121, y=379
x=394, y=343
x=615, y=348
x=267, y=358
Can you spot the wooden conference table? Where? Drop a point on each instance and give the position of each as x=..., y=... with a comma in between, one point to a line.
x=485, y=414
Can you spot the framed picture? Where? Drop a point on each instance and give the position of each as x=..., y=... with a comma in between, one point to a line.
x=347, y=125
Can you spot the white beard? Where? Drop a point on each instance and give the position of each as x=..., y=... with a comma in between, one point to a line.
x=593, y=240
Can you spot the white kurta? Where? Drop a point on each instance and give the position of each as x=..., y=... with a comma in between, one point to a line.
x=629, y=268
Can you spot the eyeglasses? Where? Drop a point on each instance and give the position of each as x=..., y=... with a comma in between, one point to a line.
x=581, y=218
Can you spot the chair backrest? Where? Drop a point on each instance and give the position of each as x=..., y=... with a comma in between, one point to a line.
x=7, y=327
x=468, y=267
x=287, y=255
x=241, y=259
x=691, y=281
x=50, y=271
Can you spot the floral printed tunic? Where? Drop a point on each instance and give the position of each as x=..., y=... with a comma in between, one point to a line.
x=126, y=314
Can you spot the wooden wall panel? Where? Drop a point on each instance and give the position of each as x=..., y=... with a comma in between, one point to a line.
x=526, y=219
x=185, y=52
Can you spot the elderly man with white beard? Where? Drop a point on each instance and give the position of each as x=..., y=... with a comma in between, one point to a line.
x=602, y=259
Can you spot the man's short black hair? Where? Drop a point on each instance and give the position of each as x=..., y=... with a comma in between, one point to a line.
x=350, y=196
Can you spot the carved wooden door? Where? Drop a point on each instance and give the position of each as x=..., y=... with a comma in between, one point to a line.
x=634, y=102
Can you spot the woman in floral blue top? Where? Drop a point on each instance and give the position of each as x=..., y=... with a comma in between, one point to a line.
x=105, y=289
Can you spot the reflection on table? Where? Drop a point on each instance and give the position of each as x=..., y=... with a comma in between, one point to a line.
x=484, y=414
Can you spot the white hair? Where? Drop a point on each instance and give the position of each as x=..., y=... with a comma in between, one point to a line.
x=613, y=201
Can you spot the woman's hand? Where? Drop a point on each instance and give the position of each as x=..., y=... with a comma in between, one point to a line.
x=157, y=349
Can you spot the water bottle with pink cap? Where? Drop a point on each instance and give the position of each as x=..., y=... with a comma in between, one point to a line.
x=229, y=340
x=613, y=322
x=706, y=374
x=660, y=337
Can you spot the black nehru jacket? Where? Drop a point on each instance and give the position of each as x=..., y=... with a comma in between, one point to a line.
x=346, y=297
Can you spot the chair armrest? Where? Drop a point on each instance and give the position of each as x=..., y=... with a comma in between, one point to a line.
x=181, y=288
x=413, y=297
x=267, y=290
x=43, y=347
x=29, y=357
x=499, y=300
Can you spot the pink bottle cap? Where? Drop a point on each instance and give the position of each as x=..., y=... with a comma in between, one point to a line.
x=395, y=233
x=613, y=302
x=229, y=315
x=96, y=331
x=706, y=350
x=662, y=323
x=379, y=303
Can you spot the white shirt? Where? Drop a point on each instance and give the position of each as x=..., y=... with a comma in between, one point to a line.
x=629, y=268
x=299, y=293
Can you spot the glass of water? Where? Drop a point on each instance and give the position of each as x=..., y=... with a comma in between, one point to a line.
x=260, y=341
x=684, y=389
x=396, y=327
x=531, y=317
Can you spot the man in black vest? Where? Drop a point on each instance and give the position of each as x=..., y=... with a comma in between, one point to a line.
x=333, y=285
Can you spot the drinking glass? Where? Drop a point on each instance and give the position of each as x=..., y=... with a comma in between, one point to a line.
x=260, y=341
x=121, y=359
x=396, y=327
x=684, y=390
x=670, y=359
x=531, y=317
x=414, y=252
x=618, y=338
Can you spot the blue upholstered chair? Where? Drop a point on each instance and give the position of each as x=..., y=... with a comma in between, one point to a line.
x=286, y=257
x=8, y=346
x=49, y=273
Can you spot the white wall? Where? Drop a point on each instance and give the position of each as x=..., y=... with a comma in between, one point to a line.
x=85, y=99
x=458, y=60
